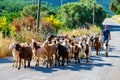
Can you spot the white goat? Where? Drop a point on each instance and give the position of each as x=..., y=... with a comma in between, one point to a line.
x=12, y=48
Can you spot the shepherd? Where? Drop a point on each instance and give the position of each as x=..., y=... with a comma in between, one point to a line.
x=106, y=38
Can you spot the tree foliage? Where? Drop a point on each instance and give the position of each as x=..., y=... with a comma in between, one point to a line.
x=104, y=3
x=5, y=27
x=118, y=11
x=32, y=10
x=76, y=14
x=10, y=6
x=10, y=9
x=115, y=6
x=29, y=10
x=11, y=15
x=57, y=24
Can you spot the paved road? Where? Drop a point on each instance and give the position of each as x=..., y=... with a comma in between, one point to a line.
x=99, y=68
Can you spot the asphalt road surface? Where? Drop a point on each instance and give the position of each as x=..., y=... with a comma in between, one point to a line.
x=99, y=67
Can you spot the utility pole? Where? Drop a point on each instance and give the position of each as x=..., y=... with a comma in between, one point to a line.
x=38, y=15
x=93, y=13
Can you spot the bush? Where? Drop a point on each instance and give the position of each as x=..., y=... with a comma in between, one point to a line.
x=5, y=27
x=4, y=45
x=80, y=31
x=26, y=36
x=54, y=22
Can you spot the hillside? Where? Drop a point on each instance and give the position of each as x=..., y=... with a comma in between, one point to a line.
x=57, y=3
x=104, y=3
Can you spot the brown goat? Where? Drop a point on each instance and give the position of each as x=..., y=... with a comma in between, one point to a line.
x=52, y=50
x=39, y=53
x=24, y=53
x=97, y=45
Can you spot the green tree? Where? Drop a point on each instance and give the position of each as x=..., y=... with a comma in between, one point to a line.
x=115, y=5
x=5, y=27
x=79, y=13
x=29, y=10
x=10, y=6
x=11, y=15
x=32, y=10
x=118, y=11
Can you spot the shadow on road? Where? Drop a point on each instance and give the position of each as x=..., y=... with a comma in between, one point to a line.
x=114, y=56
x=111, y=49
x=42, y=69
x=110, y=55
x=95, y=61
x=6, y=60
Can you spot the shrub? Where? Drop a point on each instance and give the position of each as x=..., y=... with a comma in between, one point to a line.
x=54, y=22
x=47, y=27
x=6, y=28
x=95, y=30
x=4, y=45
x=26, y=36
x=80, y=31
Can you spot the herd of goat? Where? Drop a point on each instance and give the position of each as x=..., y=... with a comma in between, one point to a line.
x=56, y=50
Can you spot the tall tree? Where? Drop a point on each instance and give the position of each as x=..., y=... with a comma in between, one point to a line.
x=115, y=5
x=79, y=13
x=32, y=10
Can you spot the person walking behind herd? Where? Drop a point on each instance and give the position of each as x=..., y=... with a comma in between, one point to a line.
x=106, y=37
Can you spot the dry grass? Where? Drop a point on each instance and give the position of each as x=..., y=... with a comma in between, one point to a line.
x=26, y=36
x=81, y=31
x=4, y=45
